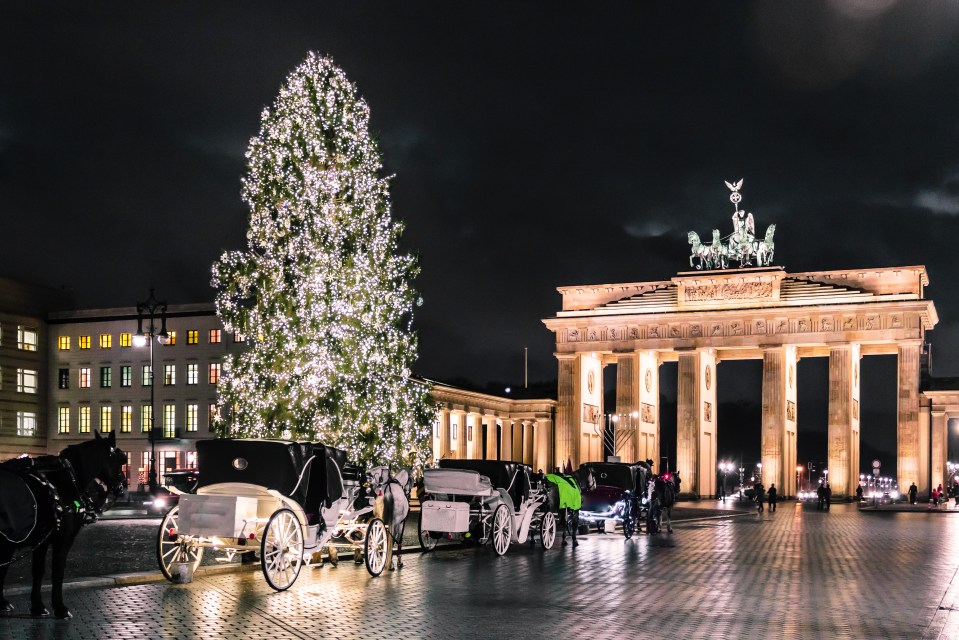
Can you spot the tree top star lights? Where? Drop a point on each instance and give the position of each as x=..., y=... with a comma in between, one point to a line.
x=321, y=292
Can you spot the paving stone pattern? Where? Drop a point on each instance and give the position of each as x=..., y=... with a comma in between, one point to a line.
x=798, y=573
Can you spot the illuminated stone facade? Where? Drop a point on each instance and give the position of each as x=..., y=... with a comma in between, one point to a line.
x=701, y=319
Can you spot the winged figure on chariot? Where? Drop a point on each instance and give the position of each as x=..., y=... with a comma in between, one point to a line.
x=740, y=246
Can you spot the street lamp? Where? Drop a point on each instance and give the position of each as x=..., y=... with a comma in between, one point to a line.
x=725, y=467
x=759, y=471
x=799, y=470
x=742, y=470
x=149, y=310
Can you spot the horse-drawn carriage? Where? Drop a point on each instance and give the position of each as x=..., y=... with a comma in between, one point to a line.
x=279, y=498
x=486, y=500
x=619, y=498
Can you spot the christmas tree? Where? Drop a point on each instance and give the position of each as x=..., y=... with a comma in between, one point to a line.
x=322, y=293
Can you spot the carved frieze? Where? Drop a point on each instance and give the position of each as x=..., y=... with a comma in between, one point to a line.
x=675, y=331
x=759, y=327
x=728, y=291
x=590, y=413
x=707, y=411
x=647, y=413
x=695, y=331
x=790, y=410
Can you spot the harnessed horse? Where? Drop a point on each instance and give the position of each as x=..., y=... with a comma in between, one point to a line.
x=394, y=489
x=661, y=497
x=46, y=501
x=568, y=496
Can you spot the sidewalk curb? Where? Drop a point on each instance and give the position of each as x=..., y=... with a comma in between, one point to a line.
x=130, y=579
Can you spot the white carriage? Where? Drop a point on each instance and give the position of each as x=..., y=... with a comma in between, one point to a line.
x=279, y=498
x=485, y=500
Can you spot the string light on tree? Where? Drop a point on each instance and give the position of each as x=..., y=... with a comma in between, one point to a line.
x=321, y=292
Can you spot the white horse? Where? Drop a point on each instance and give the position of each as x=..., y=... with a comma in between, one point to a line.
x=394, y=489
x=701, y=251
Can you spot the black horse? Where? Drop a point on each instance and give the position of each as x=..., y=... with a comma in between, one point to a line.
x=582, y=480
x=662, y=497
x=62, y=494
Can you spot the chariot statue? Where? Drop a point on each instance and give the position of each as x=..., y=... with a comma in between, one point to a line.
x=740, y=246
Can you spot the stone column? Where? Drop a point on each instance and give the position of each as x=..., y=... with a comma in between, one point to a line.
x=566, y=445
x=458, y=430
x=528, y=448
x=843, y=446
x=475, y=448
x=696, y=422
x=779, y=420
x=445, y=450
x=491, y=451
x=542, y=459
x=626, y=406
x=507, y=452
x=517, y=441
x=940, y=441
x=646, y=442
x=913, y=459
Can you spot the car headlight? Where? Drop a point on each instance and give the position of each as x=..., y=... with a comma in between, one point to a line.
x=159, y=503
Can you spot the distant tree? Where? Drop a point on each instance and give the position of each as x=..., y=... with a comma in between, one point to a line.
x=322, y=293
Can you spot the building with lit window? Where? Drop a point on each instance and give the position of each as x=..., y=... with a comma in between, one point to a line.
x=98, y=379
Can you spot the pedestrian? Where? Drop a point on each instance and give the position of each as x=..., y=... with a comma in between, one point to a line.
x=772, y=497
x=722, y=493
x=821, y=494
x=859, y=493
x=955, y=492
x=940, y=496
x=677, y=481
x=828, y=493
x=760, y=492
x=913, y=493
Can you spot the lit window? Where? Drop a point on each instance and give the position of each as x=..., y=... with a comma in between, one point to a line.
x=63, y=379
x=84, y=342
x=126, y=375
x=63, y=343
x=214, y=373
x=26, y=339
x=63, y=420
x=169, y=374
x=192, y=373
x=106, y=419
x=192, y=336
x=214, y=414
x=169, y=420
x=126, y=339
x=83, y=423
x=191, y=417
x=84, y=377
x=146, y=376
x=171, y=339
x=106, y=377
x=106, y=341
x=26, y=381
x=453, y=431
x=238, y=337
x=126, y=418
x=469, y=432
x=26, y=423
x=146, y=417
x=216, y=335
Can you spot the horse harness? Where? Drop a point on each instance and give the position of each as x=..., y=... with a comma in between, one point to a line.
x=55, y=478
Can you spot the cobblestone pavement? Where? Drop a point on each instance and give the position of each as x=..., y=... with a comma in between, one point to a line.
x=798, y=573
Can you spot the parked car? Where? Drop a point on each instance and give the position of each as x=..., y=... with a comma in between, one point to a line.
x=162, y=499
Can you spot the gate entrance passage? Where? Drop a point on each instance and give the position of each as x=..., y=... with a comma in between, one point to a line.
x=702, y=318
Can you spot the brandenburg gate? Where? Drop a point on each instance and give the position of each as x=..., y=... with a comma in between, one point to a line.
x=702, y=318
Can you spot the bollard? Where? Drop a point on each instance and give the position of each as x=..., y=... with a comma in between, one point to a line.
x=181, y=572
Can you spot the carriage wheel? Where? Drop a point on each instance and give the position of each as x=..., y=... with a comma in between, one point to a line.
x=377, y=547
x=547, y=530
x=427, y=542
x=281, y=551
x=171, y=547
x=502, y=529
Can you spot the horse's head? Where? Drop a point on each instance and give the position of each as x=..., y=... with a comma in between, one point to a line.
x=716, y=240
x=585, y=478
x=693, y=238
x=770, y=231
x=98, y=465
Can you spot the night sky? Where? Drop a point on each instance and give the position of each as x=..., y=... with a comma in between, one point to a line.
x=533, y=146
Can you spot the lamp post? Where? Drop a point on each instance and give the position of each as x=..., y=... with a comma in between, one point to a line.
x=759, y=471
x=725, y=467
x=150, y=309
x=799, y=470
x=742, y=470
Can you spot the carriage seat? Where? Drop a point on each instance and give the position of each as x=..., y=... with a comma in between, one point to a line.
x=457, y=482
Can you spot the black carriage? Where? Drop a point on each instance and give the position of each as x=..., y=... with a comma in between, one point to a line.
x=486, y=500
x=619, y=497
x=276, y=497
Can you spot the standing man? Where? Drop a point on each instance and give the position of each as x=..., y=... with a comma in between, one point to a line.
x=859, y=493
x=821, y=494
x=772, y=498
x=913, y=493
x=828, y=494
x=722, y=492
